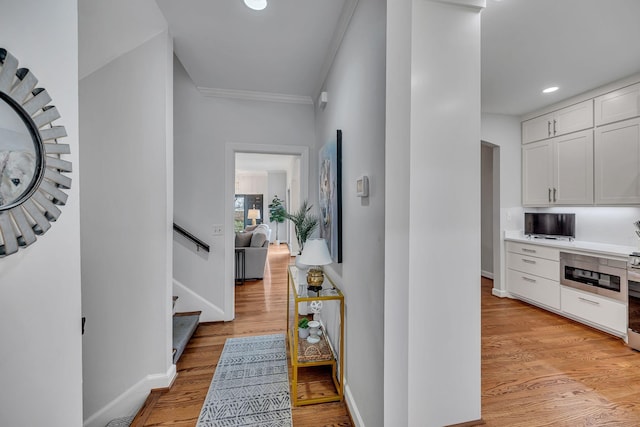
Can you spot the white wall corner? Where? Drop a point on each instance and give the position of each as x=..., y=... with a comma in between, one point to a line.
x=499, y=293
x=129, y=402
x=353, y=408
x=189, y=300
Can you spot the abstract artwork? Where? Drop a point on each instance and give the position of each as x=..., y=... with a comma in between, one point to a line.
x=330, y=195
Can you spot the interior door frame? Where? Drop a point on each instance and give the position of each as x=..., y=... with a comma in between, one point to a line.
x=231, y=149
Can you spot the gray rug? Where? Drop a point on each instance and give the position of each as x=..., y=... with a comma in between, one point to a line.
x=250, y=386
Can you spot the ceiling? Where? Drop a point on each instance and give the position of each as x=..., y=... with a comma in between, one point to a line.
x=577, y=45
x=287, y=49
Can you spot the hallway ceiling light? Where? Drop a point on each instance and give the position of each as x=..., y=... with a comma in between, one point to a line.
x=550, y=89
x=256, y=4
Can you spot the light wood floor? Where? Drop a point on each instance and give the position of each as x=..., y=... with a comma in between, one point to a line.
x=538, y=369
x=261, y=308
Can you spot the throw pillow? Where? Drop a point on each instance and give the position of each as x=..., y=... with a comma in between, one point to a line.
x=243, y=240
x=258, y=239
x=250, y=228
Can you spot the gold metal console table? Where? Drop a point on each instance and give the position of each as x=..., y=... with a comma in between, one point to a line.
x=329, y=351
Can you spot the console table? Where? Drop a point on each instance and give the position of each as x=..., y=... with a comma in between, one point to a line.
x=328, y=352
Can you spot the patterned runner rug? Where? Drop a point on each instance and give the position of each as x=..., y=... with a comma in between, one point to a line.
x=250, y=386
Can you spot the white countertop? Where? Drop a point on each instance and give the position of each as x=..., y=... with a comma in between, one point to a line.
x=574, y=245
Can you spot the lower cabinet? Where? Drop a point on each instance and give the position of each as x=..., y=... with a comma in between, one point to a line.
x=597, y=310
x=533, y=273
x=534, y=288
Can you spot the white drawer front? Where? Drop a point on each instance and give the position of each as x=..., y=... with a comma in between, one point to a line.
x=544, y=291
x=534, y=250
x=536, y=266
x=596, y=309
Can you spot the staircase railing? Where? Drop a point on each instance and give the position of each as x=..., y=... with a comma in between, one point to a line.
x=199, y=243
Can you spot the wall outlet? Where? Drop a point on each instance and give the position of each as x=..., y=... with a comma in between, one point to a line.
x=218, y=230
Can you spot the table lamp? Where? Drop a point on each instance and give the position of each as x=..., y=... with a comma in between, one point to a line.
x=253, y=214
x=315, y=254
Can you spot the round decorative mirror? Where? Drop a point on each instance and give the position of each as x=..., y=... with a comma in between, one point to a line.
x=32, y=171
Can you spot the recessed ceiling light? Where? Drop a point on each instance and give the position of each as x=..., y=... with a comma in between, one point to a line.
x=550, y=89
x=256, y=4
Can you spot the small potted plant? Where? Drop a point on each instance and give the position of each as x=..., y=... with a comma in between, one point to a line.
x=303, y=328
x=277, y=213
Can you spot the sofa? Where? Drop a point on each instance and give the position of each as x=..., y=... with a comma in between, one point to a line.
x=254, y=243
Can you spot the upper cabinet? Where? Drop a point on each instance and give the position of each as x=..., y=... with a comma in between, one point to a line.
x=558, y=171
x=618, y=105
x=617, y=163
x=561, y=122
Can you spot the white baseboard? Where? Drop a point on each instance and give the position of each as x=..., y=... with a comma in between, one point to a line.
x=487, y=274
x=499, y=293
x=353, y=408
x=129, y=402
x=188, y=300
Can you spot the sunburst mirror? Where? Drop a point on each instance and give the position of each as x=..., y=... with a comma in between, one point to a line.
x=32, y=171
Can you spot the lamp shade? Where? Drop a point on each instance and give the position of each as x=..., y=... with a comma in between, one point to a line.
x=253, y=214
x=315, y=252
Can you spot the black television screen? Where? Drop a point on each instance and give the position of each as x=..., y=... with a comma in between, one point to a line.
x=550, y=224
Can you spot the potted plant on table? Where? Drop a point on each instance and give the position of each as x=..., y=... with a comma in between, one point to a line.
x=303, y=328
x=277, y=213
x=304, y=224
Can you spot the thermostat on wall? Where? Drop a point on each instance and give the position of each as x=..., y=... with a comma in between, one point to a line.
x=362, y=186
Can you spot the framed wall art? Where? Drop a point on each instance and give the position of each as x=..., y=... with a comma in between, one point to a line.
x=330, y=195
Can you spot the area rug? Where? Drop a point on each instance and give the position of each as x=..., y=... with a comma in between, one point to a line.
x=250, y=386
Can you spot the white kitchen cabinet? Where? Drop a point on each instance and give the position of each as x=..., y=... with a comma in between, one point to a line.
x=561, y=122
x=558, y=171
x=595, y=310
x=617, y=163
x=533, y=274
x=619, y=105
x=537, y=173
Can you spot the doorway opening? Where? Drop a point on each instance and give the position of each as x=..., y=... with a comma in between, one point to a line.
x=256, y=174
x=490, y=213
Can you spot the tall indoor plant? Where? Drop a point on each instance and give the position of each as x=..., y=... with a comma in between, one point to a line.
x=304, y=224
x=277, y=213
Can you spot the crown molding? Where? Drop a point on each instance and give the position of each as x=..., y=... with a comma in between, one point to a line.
x=249, y=95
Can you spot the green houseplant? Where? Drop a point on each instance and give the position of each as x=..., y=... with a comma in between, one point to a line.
x=304, y=224
x=277, y=213
x=303, y=328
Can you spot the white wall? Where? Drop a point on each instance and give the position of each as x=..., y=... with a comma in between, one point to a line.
x=504, y=132
x=41, y=364
x=203, y=128
x=355, y=87
x=433, y=130
x=126, y=129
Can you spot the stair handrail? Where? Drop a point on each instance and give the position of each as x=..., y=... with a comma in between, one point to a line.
x=199, y=243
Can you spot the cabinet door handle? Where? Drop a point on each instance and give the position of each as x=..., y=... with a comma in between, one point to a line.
x=554, y=126
x=529, y=250
x=589, y=301
x=554, y=195
x=528, y=261
x=549, y=194
x=548, y=128
x=528, y=279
